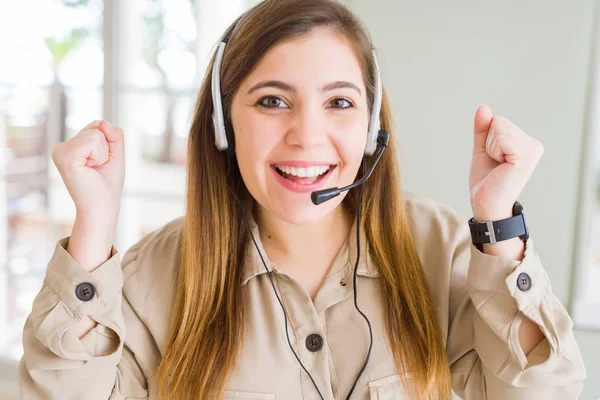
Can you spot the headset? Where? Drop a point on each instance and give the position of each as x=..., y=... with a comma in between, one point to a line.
x=224, y=141
x=222, y=138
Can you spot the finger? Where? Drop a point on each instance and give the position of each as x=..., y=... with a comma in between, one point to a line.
x=92, y=125
x=114, y=137
x=91, y=149
x=507, y=142
x=98, y=151
x=481, y=127
x=503, y=147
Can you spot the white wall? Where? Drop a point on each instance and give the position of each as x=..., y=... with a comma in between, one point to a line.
x=528, y=61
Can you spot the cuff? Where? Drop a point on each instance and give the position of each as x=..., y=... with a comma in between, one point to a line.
x=524, y=281
x=64, y=274
x=504, y=291
x=57, y=308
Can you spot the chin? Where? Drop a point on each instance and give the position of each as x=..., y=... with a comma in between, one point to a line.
x=304, y=212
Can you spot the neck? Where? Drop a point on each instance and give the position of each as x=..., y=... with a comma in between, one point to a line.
x=292, y=246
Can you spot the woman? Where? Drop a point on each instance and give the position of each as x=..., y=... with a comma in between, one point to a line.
x=248, y=296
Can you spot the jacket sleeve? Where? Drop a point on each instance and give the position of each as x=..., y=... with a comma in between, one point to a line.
x=487, y=306
x=58, y=365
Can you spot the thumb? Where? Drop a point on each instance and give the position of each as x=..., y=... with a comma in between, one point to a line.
x=114, y=137
x=483, y=120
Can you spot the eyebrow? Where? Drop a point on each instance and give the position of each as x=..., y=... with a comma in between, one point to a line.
x=289, y=88
x=341, y=85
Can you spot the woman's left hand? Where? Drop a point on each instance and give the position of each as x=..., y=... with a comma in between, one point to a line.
x=504, y=158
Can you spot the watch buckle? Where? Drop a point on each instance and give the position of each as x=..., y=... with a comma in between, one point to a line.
x=490, y=232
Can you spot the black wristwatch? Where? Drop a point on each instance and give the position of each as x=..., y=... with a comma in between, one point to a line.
x=497, y=231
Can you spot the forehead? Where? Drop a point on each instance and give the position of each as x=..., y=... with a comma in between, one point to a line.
x=318, y=57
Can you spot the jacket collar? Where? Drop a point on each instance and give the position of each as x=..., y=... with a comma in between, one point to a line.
x=345, y=258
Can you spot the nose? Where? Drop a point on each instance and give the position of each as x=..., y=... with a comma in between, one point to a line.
x=308, y=129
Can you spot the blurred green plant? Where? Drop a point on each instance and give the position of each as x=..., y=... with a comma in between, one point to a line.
x=74, y=3
x=60, y=46
x=156, y=36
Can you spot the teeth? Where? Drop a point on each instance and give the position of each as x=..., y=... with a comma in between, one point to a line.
x=303, y=172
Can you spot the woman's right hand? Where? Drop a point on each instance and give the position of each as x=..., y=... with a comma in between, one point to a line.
x=92, y=166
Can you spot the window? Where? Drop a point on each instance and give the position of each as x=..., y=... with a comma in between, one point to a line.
x=585, y=302
x=52, y=84
x=72, y=61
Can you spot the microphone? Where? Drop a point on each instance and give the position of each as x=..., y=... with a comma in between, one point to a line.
x=321, y=196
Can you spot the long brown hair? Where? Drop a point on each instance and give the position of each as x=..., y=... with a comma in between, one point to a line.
x=208, y=319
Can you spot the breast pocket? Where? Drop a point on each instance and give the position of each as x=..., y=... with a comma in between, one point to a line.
x=235, y=394
x=389, y=388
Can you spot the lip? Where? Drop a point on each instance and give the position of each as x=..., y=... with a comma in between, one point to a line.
x=303, y=164
x=298, y=188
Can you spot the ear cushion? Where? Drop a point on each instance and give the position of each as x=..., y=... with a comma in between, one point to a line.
x=230, y=138
x=374, y=122
x=217, y=115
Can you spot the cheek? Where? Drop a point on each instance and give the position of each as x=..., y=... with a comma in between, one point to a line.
x=256, y=136
x=252, y=148
x=351, y=139
x=248, y=151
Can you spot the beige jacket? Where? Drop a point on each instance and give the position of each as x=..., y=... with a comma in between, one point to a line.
x=479, y=305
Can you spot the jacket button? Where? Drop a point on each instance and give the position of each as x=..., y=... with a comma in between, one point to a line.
x=85, y=291
x=314, y=342
x=524, y=282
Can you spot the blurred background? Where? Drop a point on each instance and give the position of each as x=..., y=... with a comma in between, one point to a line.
x=139, y=63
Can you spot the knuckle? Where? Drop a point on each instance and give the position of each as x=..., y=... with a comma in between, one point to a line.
x=56, y=152
x=101, y=146
x=97, y=136
x=84, y=140
x=98, y=133
x=497, y=121
x=540, y=148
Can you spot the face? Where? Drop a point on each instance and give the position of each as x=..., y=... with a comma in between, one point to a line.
x=300, y=122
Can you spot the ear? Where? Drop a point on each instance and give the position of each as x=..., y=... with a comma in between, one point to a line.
x=230, y=138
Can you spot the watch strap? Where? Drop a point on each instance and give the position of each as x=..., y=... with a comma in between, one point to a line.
x=497, y=231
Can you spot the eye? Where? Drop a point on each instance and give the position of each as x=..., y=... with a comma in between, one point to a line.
x=340, y=103
x=271, y=102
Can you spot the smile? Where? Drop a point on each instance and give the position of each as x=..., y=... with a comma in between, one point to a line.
x=302, y=178
x=310, y=172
